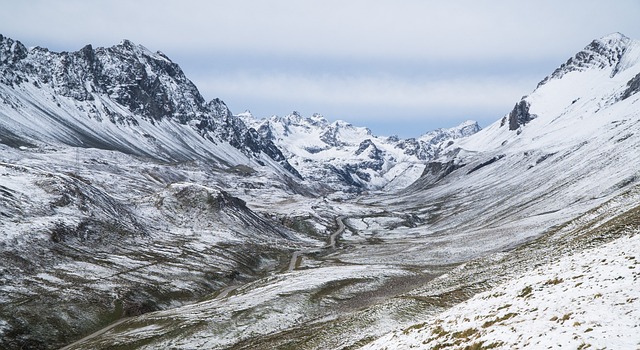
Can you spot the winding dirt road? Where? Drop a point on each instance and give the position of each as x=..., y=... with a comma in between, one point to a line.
x=296, y=258
x=339, y=231
x=96, y=334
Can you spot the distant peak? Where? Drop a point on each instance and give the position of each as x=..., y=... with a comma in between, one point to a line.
x=246, y=114
x=130, y=45
x=615, y=36
x=468, y=123
x=292, y=118
x=126, y=42
x=318, y=118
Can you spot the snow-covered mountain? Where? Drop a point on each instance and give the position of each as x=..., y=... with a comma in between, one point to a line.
x=587, y=106
x=209, y=254
x=130, y=99
x=110, y=157
x=338, y=155
x=123, y=98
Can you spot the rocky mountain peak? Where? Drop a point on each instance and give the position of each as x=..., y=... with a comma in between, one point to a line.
x=294, y=118
x=11, y=51
x=614, y=38
x=148, y=84
x=125, y=84
x=219, y=108
x=469, y=127
x=128, y=44
x=318, y=120
x=603, y=53
x=466, y=128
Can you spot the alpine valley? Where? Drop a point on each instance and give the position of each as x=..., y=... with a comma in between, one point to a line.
x=136, y=215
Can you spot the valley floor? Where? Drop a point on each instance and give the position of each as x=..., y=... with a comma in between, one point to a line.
x=586, y=300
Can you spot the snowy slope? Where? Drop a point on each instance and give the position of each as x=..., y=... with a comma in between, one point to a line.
x=339, y=155
x=595, y=88
x=562, y=165
x=490, y=209
x=114, y=180
x=567, y=158
x=89, y=237
x=586, y=300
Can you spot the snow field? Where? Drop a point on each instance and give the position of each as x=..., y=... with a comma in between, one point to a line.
x=589, y=299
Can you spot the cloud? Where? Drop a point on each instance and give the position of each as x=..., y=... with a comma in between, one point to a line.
x=372, y=91
x=369, y=92
x=365, y=28
x=365, y=60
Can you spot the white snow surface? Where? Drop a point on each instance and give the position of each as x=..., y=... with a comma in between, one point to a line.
x=589, y=299
x=317, y=147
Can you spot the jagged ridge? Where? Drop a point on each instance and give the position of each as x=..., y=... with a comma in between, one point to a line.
x=339, y=155
x=145, y=86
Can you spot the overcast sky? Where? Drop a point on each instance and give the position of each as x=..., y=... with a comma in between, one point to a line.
x=397, y=66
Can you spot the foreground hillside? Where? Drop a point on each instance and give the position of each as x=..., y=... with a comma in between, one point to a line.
x=589, y=299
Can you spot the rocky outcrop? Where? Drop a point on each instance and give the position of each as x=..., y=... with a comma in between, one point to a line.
x=11, y=51
x=519, y=116
x=633, y=86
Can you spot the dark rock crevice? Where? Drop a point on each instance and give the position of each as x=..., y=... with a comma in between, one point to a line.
x=633, y=86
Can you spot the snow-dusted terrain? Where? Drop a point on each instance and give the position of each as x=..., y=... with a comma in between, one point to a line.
x=589, y=299
x=135, y=215
x=339, y=155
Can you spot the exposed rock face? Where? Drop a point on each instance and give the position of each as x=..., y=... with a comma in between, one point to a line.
x=519, y=116
x=147, y=84
x=11, y=51
x=633, y=86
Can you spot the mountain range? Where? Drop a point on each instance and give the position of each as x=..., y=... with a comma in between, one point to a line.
x=137, y=215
